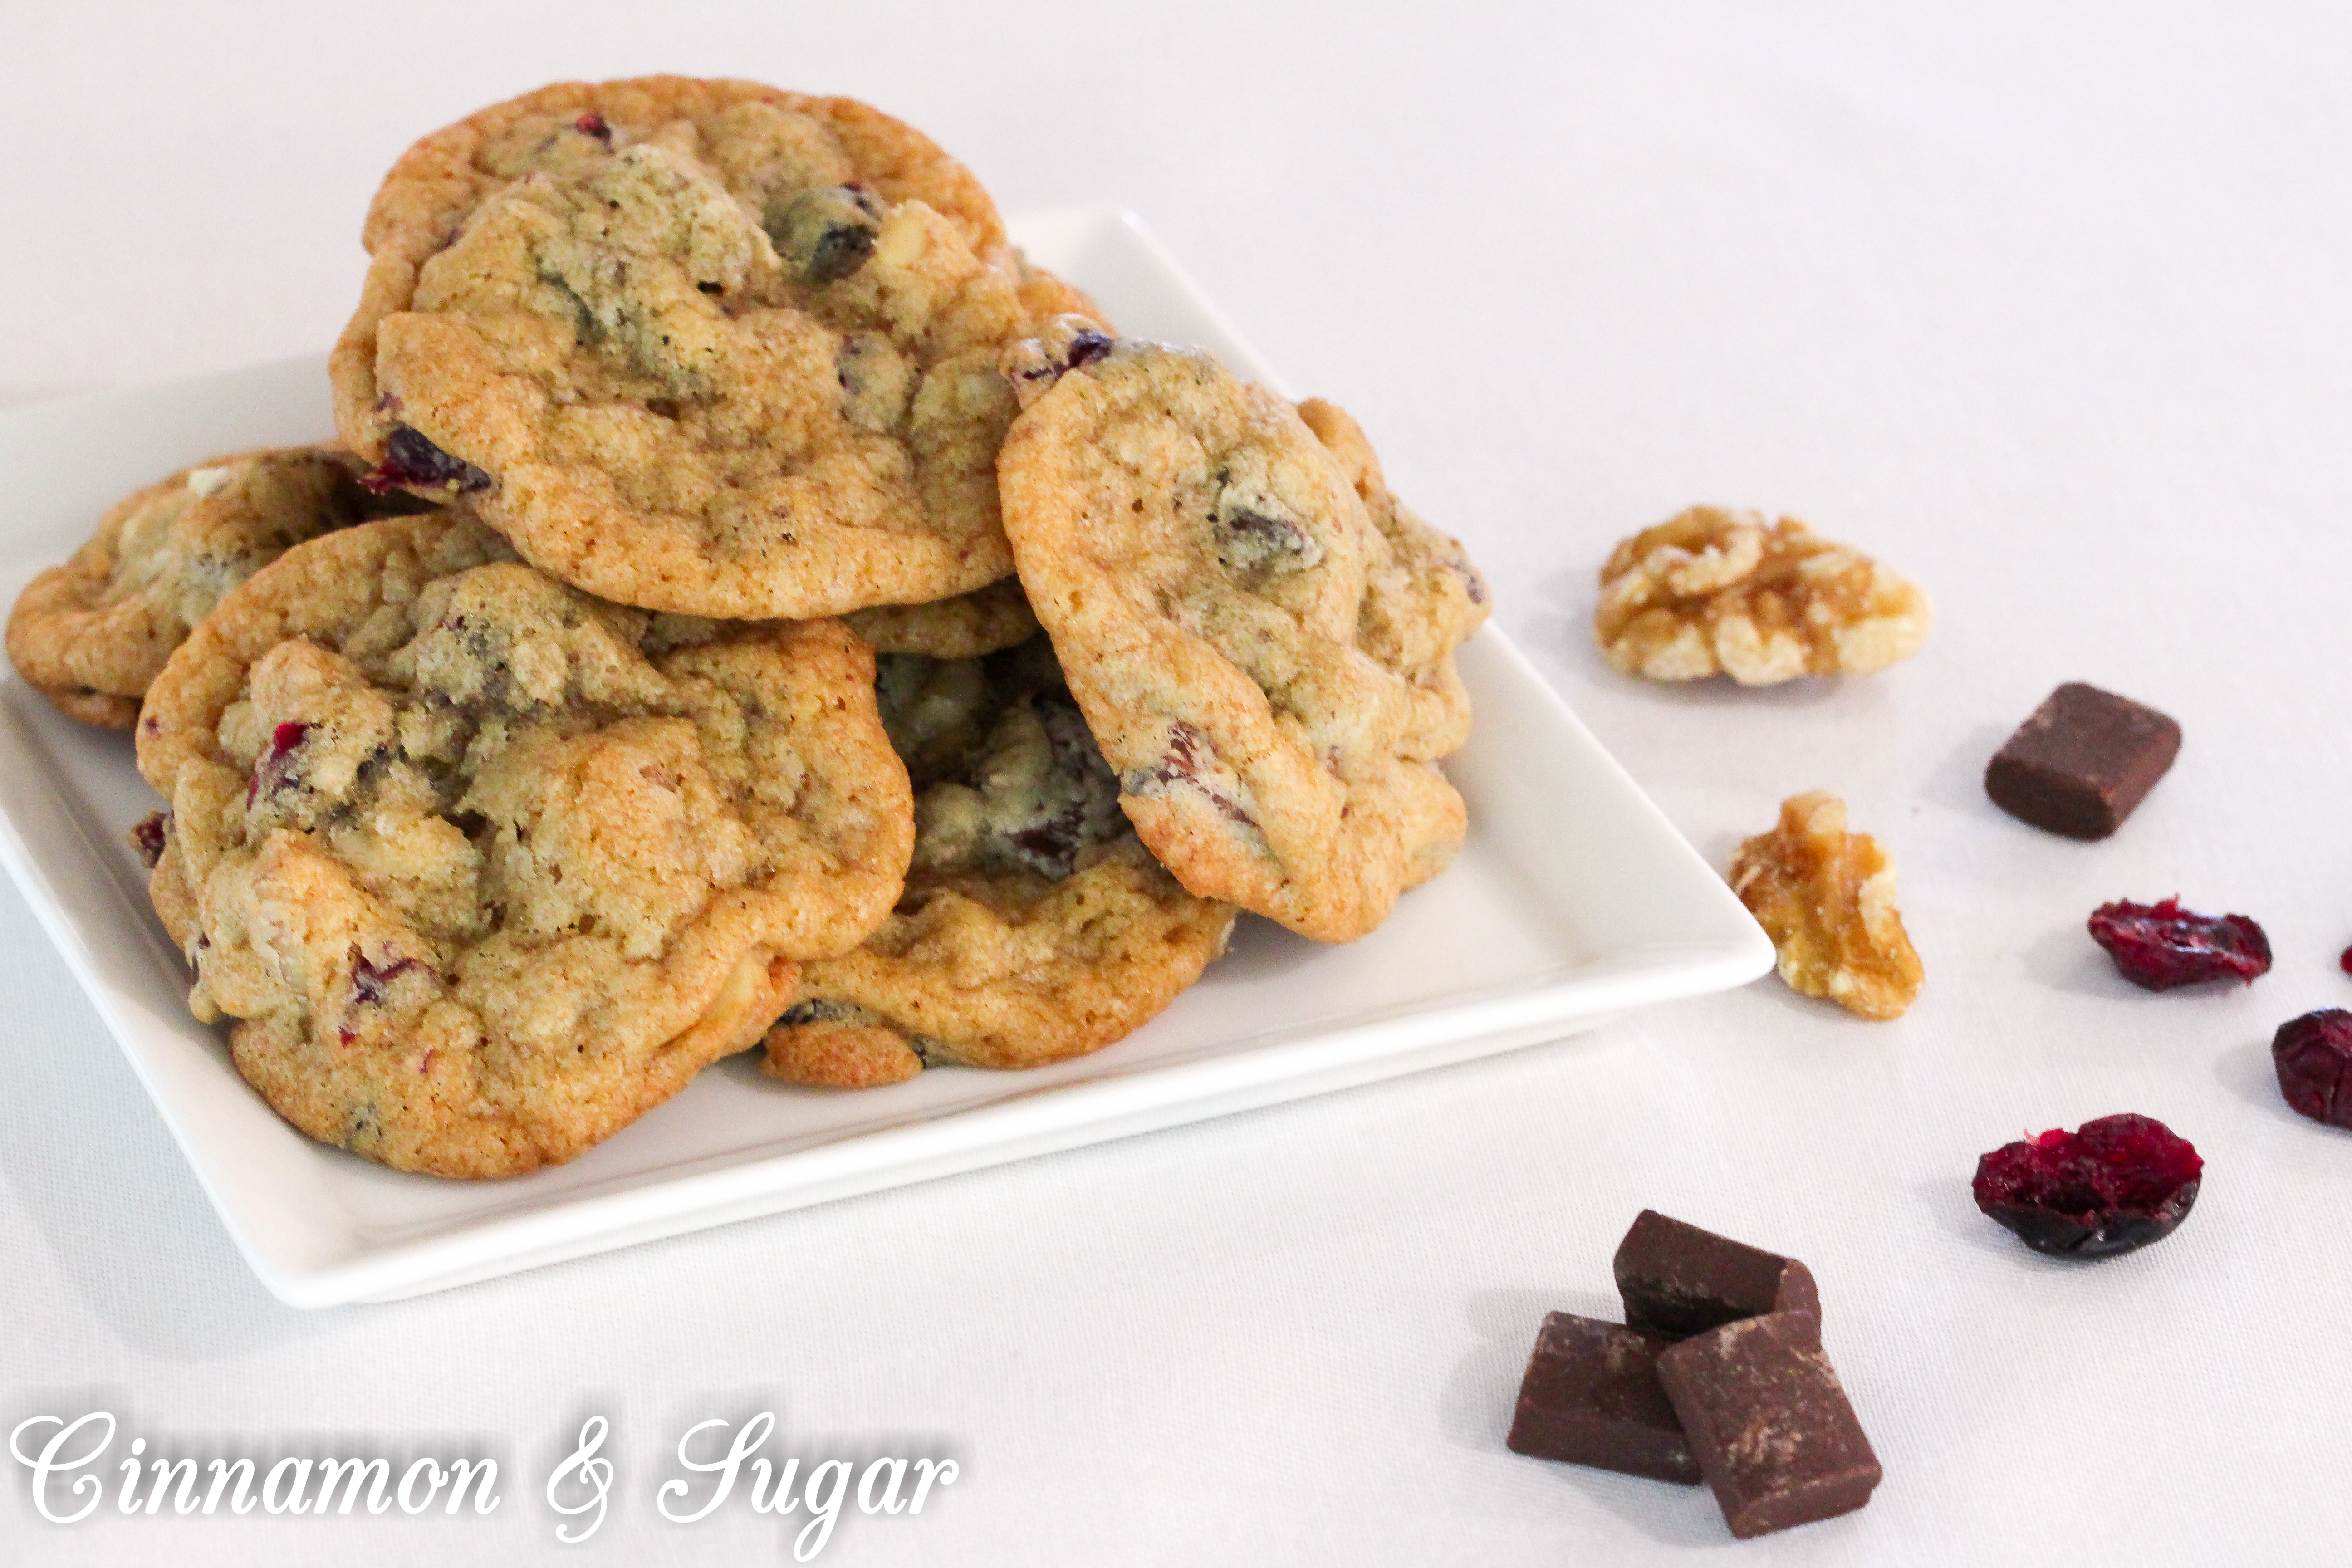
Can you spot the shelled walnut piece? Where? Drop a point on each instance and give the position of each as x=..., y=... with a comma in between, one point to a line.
x=1826, y=898
x=1716, y=592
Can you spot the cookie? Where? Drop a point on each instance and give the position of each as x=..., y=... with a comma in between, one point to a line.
x=1204, y=566
x=704, y=347
x=480, y=882
x=965, y=627
x=1035, y=925
x=90, y=635
x=1423, y=597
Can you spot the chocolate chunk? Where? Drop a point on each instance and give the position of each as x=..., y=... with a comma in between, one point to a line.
x=825, y=235
x=1678, y=1280
x=1591, y=1396
x=2082, y=761
x=1769, y=1423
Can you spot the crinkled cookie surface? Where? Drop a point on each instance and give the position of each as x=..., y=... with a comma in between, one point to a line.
x=92, y=632
x=479, y=880
x=1266, y=671
x=700, y=346
x=1034, y=926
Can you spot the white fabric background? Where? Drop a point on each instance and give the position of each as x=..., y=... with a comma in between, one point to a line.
x=2047, y=306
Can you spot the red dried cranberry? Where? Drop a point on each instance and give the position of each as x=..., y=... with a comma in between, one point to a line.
x=272, y=770
x=2111, y=1185
x=1188, y=755
x=2313, y=1058
x=2345, y=963
x=593, y=125
x=2160, y=946
x=410, y=459
x=369, y=980
x=1087, y=347
x=147, y=838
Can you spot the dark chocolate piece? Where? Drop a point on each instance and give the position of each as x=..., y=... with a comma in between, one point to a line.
x=1591, y=1398
x=1769, y=1423
x=2082, y=762
x=1678, y=1280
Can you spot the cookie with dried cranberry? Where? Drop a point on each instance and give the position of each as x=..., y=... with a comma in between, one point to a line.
x=1035, y=925
x=90, y=635
x=704, y=347
x=1203, y=565
x=478, y=881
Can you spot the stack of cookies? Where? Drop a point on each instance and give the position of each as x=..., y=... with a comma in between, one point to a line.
x=748, y=601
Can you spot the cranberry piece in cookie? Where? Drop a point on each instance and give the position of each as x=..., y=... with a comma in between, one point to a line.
x=149, y=836
x=412, y=461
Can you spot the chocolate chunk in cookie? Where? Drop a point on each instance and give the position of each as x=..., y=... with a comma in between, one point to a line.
x=1034, y=926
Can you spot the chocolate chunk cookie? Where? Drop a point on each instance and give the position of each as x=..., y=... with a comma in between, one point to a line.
x=1267, y=671
x=1035, y=925
x=90, y=635
x=699, y=346
x=480, y=880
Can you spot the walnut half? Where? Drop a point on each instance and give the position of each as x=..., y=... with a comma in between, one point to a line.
x=1715, y=591
x=1826, y=898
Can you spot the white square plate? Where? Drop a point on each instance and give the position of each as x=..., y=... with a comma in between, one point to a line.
x=1572, y=902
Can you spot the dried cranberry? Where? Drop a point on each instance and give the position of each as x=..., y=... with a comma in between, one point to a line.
x=2313, y=1058
x=2160, y=946
x=410, y=459
x=272, y=770
x=1183, y=763
x=147, y=838
x=1087, y=347
x=2111, y=1185
x=369, y=980
x=593, y=125
x=2345, y=963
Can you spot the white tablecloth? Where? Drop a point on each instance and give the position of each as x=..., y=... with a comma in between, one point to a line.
x=2047, y=307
